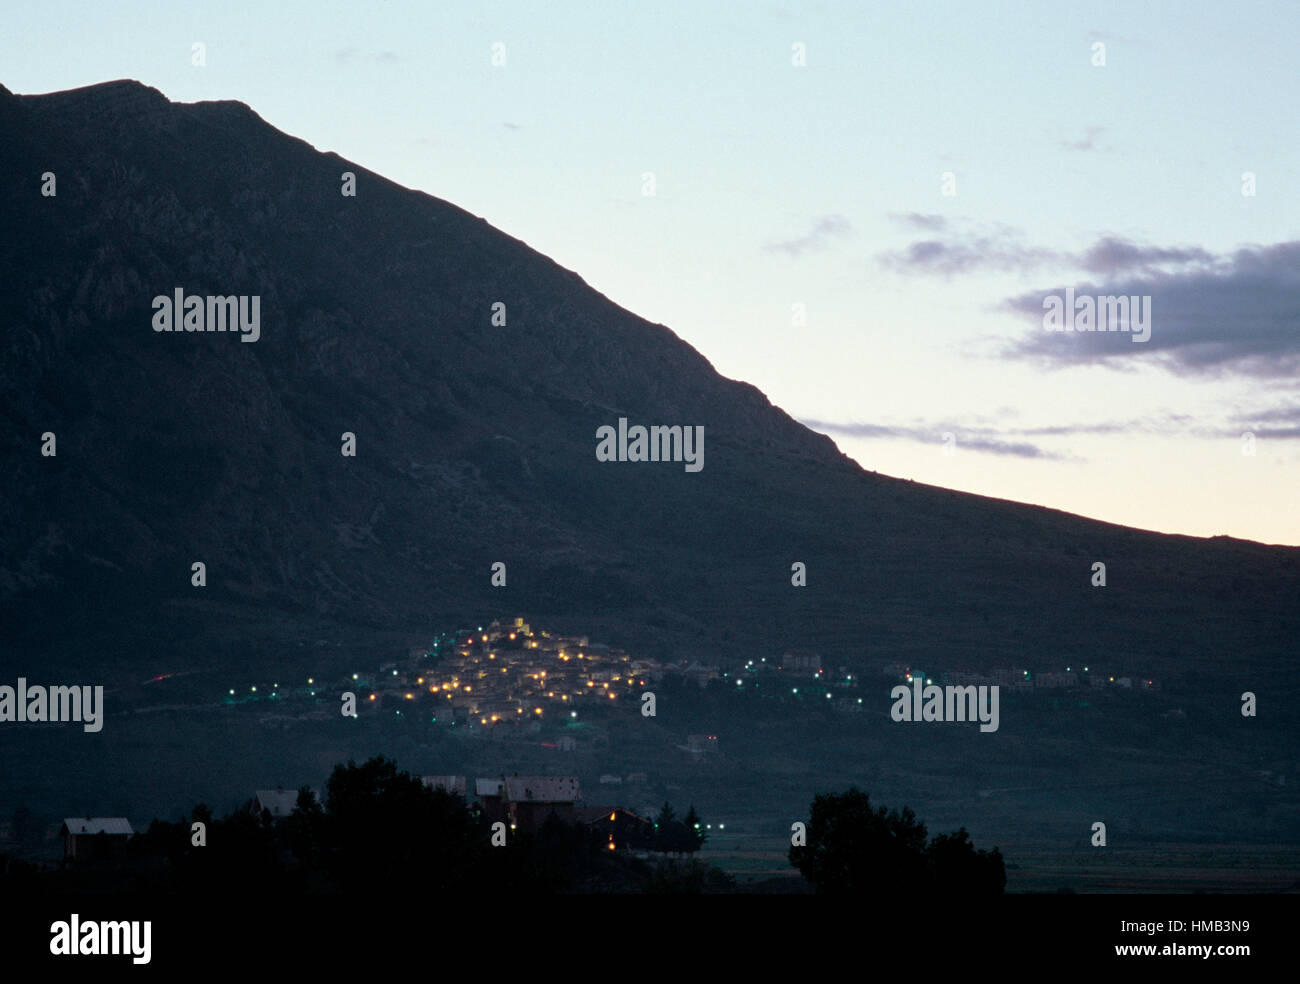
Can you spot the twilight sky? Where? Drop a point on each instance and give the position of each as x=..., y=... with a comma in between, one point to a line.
x=821, y=185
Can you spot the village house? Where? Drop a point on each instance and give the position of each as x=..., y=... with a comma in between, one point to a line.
x=1056, y=681
x=801, y=661
x=529, y=800
x=621, y=828
x=700, y=674
x=455, y=785
x=88, y=839
x=279, y=803
x=490, y=793
x=700, y=746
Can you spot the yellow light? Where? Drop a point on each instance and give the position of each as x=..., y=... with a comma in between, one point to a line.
x=467, y=688
x=408, y=697
x=494, y=717
x=372, y=696
x=611, y=845
x=538, y=711
x=420, y=681
x=611, y=818
x=483, y=720
x=512, y=635
x=591, y=683
x=612, y=696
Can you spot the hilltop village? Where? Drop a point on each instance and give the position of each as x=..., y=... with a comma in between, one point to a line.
x=503, y=674
x=509, y=678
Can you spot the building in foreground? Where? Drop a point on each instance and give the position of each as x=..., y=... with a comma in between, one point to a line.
x=87, y=839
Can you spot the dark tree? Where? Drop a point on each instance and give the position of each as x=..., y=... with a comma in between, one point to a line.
x=855, y=849
x=304, y=830
x=665, y=830
x=673, y=836
x=388, y=831
x=959, y=869
x=693, y=829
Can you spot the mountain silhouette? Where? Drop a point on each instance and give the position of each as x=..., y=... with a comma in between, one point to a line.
x=475, y=444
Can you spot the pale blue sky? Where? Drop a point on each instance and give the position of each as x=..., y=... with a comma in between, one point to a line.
x=778, y=184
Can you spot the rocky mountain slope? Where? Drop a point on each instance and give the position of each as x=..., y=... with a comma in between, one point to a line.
x=475, y=443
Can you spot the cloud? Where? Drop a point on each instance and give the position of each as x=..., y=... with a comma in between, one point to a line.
x=965, y=252
x=961, y=249
x=1237, y=313
x=1282, y=423
x=1088, y=141
x=825, y=229
x=918, y=220
x=1111, y=255
x=1212, y=314
x=980, y=439
x=1011, y=441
